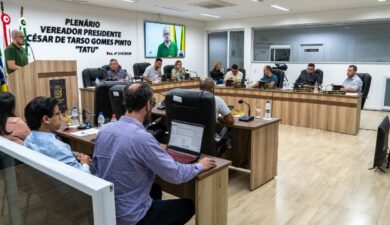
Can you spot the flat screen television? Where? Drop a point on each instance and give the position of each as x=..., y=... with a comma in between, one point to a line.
x=382, y=143
x=164, y=40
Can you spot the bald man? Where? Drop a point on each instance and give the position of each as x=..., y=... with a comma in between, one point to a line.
x=15, y=55
x=221, y=107
x=167, y=48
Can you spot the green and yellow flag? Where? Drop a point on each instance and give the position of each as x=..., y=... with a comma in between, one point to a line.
x=173, y=34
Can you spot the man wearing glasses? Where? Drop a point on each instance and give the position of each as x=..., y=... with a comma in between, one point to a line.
x=167, y=48
x=43, y=117
x=15, y=55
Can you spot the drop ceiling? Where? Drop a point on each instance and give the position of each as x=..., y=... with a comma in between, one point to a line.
x=234, y=8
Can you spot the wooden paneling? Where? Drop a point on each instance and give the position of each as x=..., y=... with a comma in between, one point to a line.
x=33, y=80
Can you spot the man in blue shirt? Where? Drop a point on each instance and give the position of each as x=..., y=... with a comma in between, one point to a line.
x=115, y=72
x=43, y=118
x=130, y=157
x=269, y=78
x=353, y=83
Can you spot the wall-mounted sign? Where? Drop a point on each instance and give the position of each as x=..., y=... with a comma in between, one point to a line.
x=86, y=36
x=312, y=50
x=58, y=91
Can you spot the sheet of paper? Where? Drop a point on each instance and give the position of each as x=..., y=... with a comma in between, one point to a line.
x=86, y=132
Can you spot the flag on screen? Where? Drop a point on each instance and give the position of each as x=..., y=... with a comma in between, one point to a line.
x=182, y=42
x=173, y=33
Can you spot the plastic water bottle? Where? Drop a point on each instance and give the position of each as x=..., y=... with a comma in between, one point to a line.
x=100, y=119
x=75, y=116
x=113, y=118
x=267, y=114
x=97, y=81
x=316, y=87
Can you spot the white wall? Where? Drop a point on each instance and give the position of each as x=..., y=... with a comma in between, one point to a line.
x=131, y=24
x=333, y=72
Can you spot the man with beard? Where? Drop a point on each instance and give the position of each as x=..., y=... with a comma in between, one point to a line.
x=15, y=55
x=130, y=157
x=168, y=48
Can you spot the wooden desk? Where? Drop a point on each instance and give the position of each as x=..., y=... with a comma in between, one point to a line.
x=88, y=94
x=254, y=147
x=209, y=190
x=339, y=113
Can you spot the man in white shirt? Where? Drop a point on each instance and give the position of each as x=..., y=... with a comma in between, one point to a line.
x=353, y=83
x=234, y=74
x=153, y=72
x=221, y=107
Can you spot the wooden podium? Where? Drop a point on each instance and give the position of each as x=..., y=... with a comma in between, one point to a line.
x=34, y=80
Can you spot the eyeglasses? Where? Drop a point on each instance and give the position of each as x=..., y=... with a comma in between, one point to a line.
x=57, y=114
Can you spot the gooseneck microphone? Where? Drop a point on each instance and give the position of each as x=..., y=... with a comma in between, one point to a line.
x=249, y=107
x=247, y=118
x=32, y=51
x=190, y=71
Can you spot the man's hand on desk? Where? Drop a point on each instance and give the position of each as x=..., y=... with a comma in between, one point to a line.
x=84, y=159
x=207, y=163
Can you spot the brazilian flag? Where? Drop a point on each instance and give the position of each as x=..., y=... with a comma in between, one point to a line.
x=3, y=84
x=173, y=34
x=182, y=42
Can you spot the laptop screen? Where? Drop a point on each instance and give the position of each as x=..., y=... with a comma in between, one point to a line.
x=186, y=136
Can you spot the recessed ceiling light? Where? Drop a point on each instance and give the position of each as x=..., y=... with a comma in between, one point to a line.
x=208, y=15
x=280, y=8
x=257, y=0
x=129, y=1
x=169, y=8
x=382, y=0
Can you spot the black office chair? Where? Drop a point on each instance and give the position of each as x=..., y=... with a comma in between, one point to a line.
x=320, y=75
x=89, y=76
x=280, y=74
x=116, y=99
x=243, y=71
x=102, y=99
x=196, y=107
x=139, y=70
x=168, y=71
x=366, y=78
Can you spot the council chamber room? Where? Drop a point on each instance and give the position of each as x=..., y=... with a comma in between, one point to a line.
x=206, y=112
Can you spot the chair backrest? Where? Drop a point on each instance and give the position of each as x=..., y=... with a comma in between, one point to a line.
x=139, y=69
x=320, y=74
x=116, y=99
x=102, y=99
x=366, y=78
x=168, y=71
x=89, y=76
x=243, y=71
x=280, y=74
x=194, y=106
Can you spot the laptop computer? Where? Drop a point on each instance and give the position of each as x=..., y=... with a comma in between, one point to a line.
x=185, y=140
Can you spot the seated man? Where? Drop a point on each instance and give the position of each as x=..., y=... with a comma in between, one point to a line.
x=353, y=83
x=308, y=77
x=116, y=73
x=269, y=78
x=221, y=107
x=130, y=157
x=235, y=75
x=43, y=118
x=153, y=72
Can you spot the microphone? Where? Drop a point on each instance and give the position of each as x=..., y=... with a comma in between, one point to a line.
x=248, y=117
x=32, y=51
x=190, y=71
x=158, y=120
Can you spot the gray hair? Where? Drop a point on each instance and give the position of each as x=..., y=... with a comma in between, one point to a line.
x=16, y=33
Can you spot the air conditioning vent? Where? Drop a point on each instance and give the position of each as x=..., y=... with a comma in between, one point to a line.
x=213, y=4
x=75, y=1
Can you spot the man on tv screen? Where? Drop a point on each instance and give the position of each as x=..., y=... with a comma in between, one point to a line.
x=168, y=48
